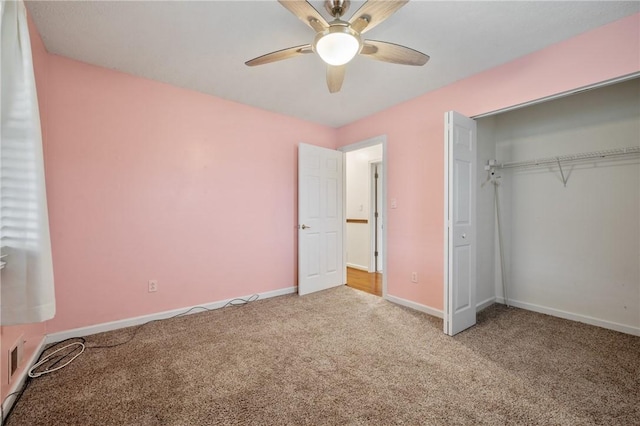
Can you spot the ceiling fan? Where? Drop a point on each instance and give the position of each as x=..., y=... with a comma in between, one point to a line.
x=338, y=42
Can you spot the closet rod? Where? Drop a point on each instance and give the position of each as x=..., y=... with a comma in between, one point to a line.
x=620, y=152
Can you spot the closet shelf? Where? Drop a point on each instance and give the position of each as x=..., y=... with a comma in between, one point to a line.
x=609, y=153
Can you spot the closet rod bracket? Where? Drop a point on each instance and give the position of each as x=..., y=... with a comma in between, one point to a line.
x=564, y=179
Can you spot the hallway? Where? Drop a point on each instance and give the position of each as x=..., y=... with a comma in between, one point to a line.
x=365, y=281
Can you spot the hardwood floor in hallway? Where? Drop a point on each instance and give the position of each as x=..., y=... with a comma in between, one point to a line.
x=365, y=281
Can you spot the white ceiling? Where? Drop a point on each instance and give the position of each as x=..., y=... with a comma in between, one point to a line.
x=202, y=45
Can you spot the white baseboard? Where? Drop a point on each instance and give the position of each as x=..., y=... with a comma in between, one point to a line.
x=22, y=377
x=416, y=306
x=485, y=304
x=623, y=328
x=114, y=325
x=432, y=311
x=359, y=267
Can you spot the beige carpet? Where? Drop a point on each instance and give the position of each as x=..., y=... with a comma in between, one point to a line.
x=344, y=357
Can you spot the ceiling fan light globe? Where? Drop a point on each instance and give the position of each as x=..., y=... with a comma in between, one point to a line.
x=337, y=48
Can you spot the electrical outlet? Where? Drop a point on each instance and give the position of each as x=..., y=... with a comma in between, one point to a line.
x=414, y=277
x=153, y=286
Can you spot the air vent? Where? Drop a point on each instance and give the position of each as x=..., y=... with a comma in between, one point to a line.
x=15, y=357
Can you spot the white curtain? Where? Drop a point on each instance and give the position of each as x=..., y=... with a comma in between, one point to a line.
x=26, y=283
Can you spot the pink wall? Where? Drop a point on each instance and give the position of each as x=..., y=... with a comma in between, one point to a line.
x=149, y=181
x=415, y=133
x=32, y=333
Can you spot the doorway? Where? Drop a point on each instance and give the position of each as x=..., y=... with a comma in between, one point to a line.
x=365, y=232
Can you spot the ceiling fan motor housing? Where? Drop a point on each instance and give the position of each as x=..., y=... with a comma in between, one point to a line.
x=337, y=8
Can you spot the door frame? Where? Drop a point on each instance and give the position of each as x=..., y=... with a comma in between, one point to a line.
x=373, y=265
x=558, y=95
x=376, y=140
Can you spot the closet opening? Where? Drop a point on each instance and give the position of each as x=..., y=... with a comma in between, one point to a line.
x=558, y=207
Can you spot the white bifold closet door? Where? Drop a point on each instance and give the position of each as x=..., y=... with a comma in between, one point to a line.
x=460, y=223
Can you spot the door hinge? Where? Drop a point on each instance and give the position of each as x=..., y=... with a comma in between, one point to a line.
x=376, y=214
x=375, y=254
x=376, y=176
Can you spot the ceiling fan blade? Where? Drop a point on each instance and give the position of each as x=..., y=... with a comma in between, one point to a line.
x=306, y=13
x=374, y=12
x=394, y=53
x=335, y=77
x=279, y=55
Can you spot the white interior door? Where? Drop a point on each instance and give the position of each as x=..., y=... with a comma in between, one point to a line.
x=460, y=223
x=320, y=219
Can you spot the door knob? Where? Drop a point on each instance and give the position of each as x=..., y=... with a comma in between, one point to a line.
x=464, y=236
x=305, y=226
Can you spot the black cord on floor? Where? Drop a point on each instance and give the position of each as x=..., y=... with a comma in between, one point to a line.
x=238, y=301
